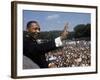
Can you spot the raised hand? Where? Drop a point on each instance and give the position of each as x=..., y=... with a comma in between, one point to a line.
x=65, y=32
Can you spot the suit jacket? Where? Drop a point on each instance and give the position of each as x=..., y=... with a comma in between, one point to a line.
x=35, y=51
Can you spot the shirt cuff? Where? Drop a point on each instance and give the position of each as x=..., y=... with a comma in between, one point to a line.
x=58, y=42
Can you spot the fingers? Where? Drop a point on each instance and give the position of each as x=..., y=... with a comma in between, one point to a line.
x=66, y=27
x=65, y=32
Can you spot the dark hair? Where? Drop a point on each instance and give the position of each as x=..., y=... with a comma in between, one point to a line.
x=30, y=22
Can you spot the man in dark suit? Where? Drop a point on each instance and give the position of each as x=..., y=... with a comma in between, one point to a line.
x=34, y=49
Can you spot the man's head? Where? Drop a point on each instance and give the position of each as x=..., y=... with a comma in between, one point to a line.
x=34, y=28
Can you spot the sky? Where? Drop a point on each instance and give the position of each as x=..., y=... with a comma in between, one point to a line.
x=51, y=20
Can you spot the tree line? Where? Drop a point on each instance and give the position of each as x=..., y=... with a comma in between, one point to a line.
x=81, y=31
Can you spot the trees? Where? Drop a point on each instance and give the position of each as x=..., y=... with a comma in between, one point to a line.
x=82, y=30
x=49, y=35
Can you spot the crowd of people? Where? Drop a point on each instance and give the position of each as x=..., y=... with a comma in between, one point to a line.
x=72, y=54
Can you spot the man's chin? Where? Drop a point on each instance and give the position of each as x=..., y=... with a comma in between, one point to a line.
x=35, y=35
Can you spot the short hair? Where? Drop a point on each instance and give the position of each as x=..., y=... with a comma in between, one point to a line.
x=30, y=22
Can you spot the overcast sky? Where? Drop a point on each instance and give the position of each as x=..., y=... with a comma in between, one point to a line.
x=55, y=20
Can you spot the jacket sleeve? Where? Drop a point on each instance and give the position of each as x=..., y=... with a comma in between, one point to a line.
x=32, y=47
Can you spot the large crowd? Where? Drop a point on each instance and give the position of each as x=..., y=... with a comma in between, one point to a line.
x=72, y=54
